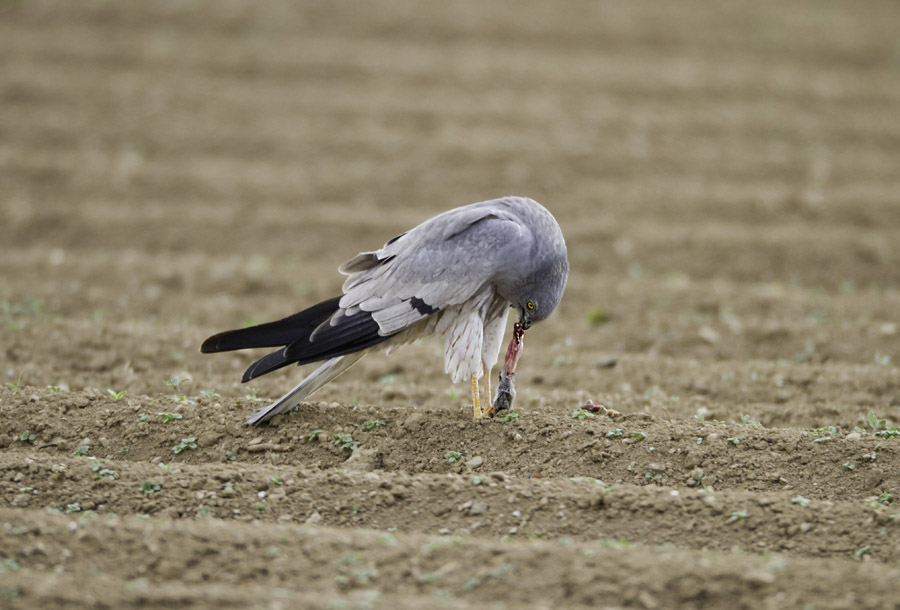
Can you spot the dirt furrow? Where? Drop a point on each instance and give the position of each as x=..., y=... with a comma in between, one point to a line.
x=47, y=554
x=477, y=503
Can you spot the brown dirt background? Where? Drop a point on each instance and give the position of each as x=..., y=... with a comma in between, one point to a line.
x=726, y=175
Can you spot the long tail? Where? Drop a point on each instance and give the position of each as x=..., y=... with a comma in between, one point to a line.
x=321, y=332
x=315, y=380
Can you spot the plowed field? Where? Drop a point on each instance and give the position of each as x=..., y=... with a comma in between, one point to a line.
x=727, y=176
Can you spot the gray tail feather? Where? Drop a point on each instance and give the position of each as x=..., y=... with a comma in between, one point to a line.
x=315, y=380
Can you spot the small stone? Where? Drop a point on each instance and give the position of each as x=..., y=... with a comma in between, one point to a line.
x=413, y=420
x=313, y=518
x=478, y=508
x=709, y=334
x=853, y=436
x=362, y=460
x=475, y=462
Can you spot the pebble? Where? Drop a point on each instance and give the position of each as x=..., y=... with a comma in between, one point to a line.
x=853, y=436
x=478, y=508
x=475, y=462
x=314, y=518
x=413, y=420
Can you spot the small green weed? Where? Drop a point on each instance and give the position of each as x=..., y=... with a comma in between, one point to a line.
x=102, y=473
x=186, y=443
x=454, y=456
x=27, y=437
x=345, y=441
x=167, y=417
x=116, y=395
x=312, y=436
x=581, y=414
x=148, y=488
x=597, y=316
x=374, y=423
x=800, y=501
x=738, y=515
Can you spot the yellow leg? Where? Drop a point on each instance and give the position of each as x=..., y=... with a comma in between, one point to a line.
x=488, y=396
x=476, y=403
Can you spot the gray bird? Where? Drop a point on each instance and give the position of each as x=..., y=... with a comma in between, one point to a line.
x=455, y=275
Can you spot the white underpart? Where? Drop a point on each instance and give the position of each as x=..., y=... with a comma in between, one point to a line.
x=494, y=327
x=462, y=327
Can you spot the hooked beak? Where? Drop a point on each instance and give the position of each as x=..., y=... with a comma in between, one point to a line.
x=523, y=320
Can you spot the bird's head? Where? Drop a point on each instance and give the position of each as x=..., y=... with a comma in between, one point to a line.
x=536, y=298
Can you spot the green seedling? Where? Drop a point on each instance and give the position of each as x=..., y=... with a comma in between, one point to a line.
x=175, y=383
x=345, y=441
x=597, y=316
x=737, y=515
x=102, y=473
x=822, y=440
x=186, y=443
x=82, y=450
x=116, y=395
x=875, y=423
x=387, y=379
x=746, y=421
x=167, y=417
x=734, y=440
x=508, y=417
x=849, y=466
x=581, y=414
x=377, y=423
x=615, y=433
x=142, y=417
x=312, y=436
x=230, y=456
x=454, y=456
x=73, y=508
x=14, y=386
x=209, y=394
x=54, y=388
x=148, y=488
x=800, y=501
x=453, y=392
x=252, y=395
x=826, y=431
x=27, y=436
x=639, y=435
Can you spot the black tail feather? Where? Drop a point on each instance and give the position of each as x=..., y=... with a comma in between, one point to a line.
x=303, y=337
x=273, y=334
x=268, y=363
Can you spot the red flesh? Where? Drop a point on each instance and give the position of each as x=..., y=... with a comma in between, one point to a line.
x=514, y=350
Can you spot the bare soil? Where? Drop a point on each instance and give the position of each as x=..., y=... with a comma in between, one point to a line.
x=726, y=178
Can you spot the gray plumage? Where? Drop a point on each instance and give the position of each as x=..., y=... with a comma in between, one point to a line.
x=455, y=275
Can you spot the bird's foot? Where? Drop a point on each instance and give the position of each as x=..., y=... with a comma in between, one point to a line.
x=477, y=411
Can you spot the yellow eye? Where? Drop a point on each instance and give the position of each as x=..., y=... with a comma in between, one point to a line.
x=529, y=305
